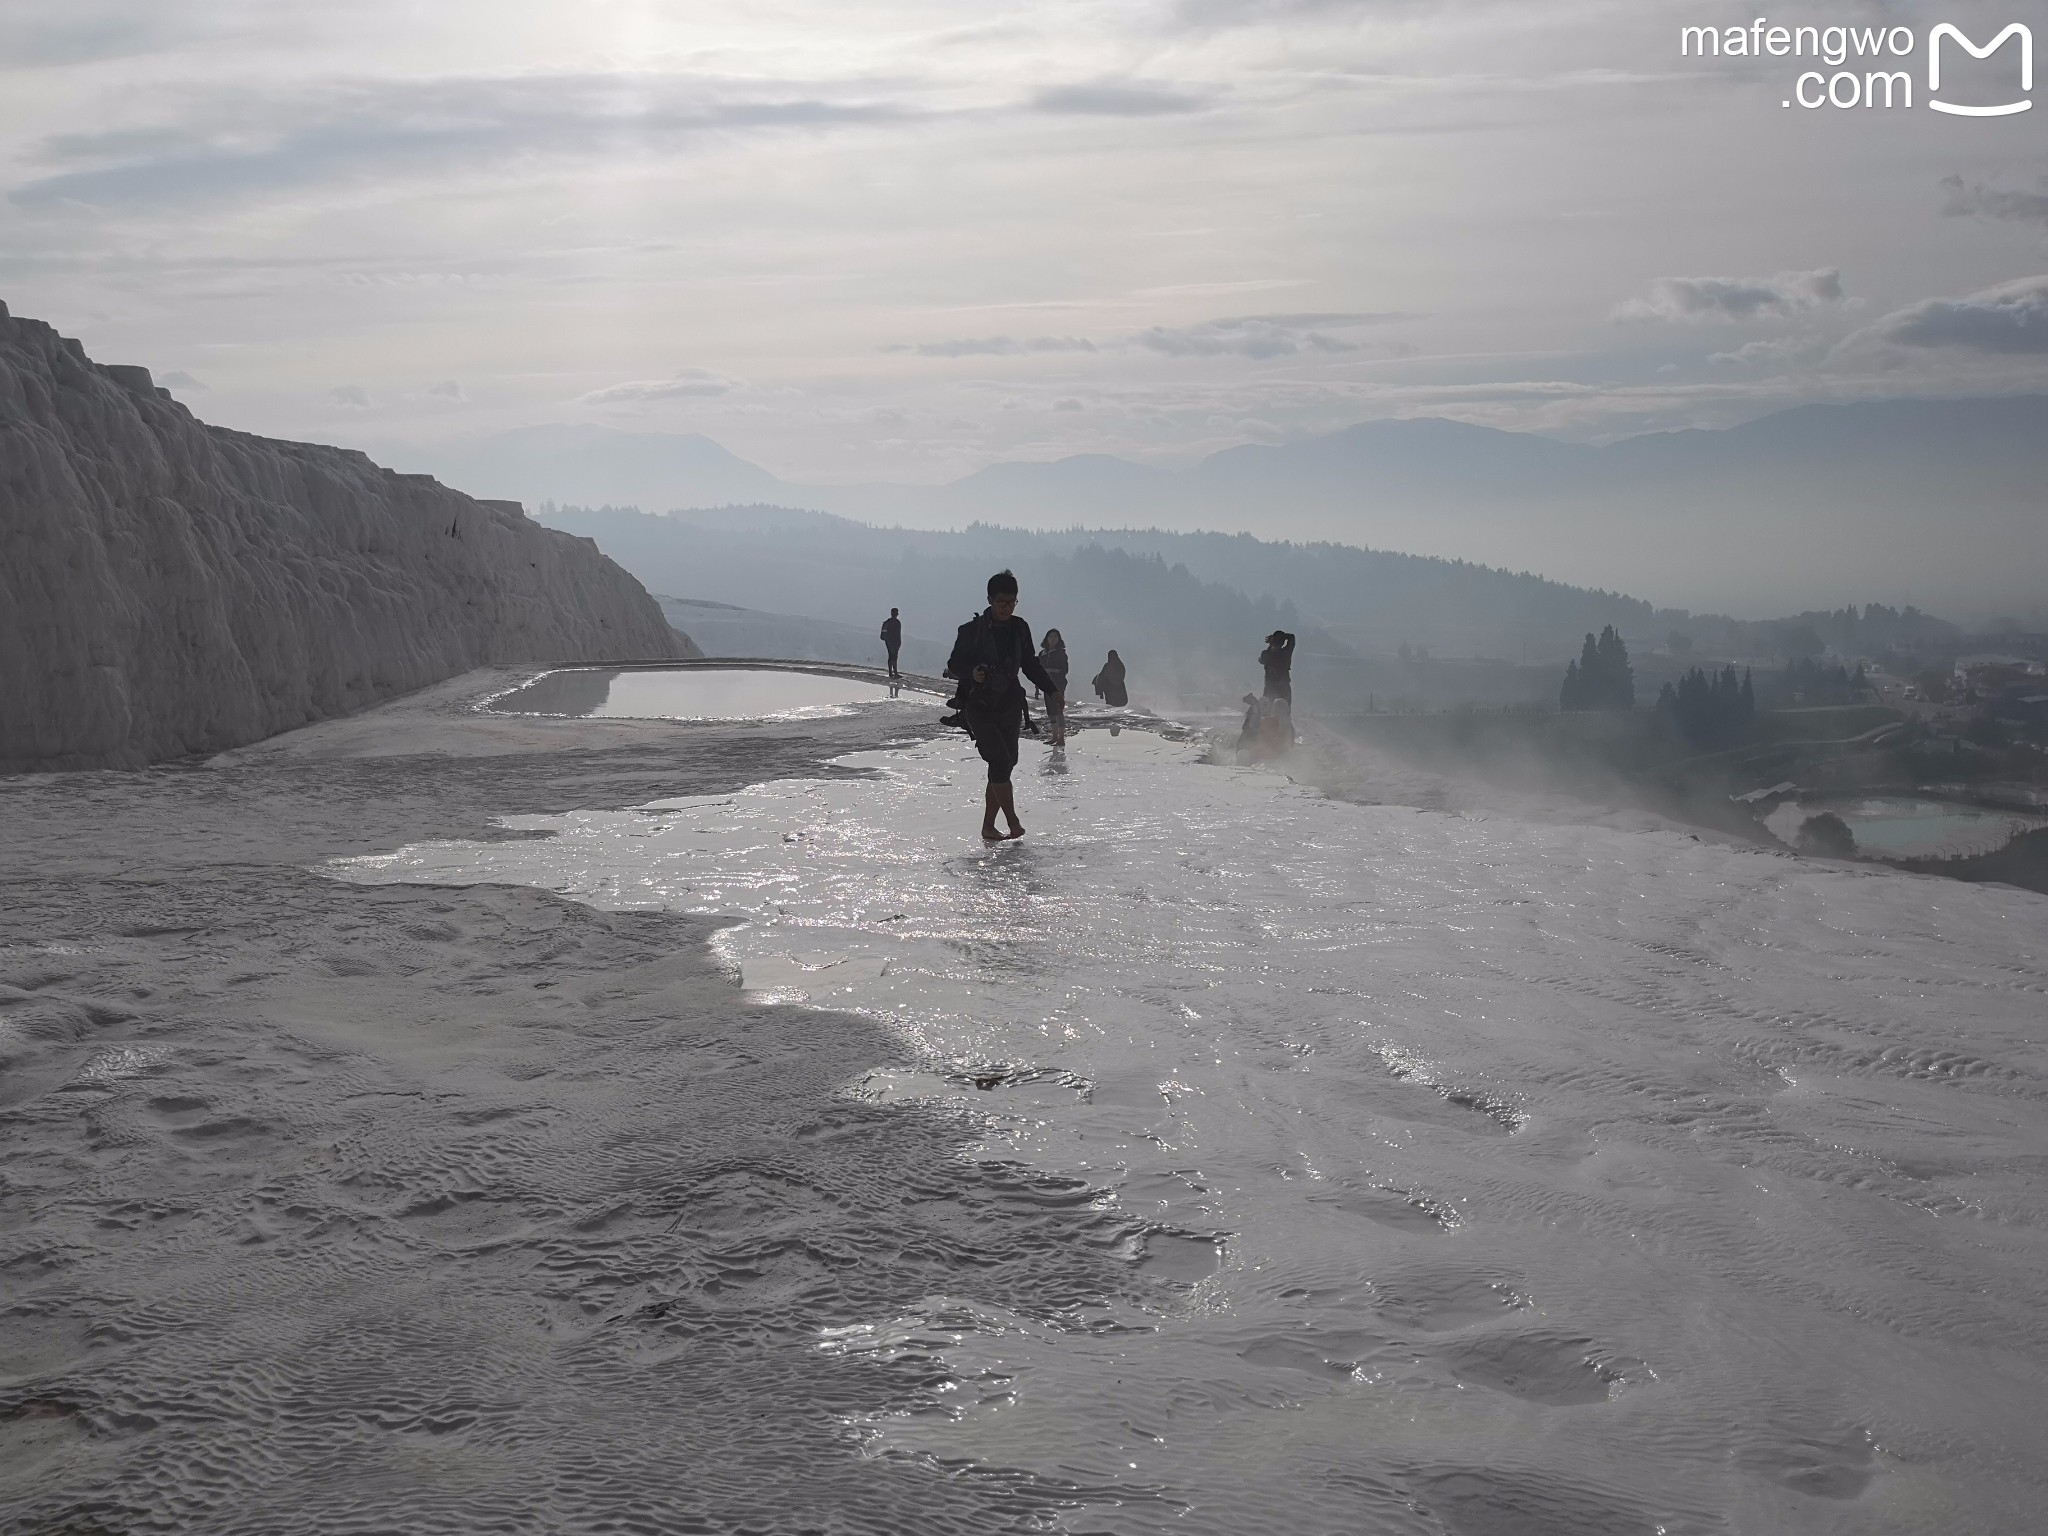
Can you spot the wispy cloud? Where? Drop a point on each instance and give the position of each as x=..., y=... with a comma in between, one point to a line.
x=994, y=346
x=685, y=384
x=1975, y=200
x=1772, y=352
x=1207, y=15
x=1119, y=98
x=1735, y=298
x=225, y=149
x=349, y=396
x=87, y=31
x=1259, y=336
x=1253, y=336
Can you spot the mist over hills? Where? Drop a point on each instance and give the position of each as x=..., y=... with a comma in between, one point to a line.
x=1933, y=502
x=1188, y=611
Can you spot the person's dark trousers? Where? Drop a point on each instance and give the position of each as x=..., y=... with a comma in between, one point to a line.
x=892, y=660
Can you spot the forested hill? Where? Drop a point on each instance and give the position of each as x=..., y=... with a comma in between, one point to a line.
x=1188, y=637
x=1209, y=590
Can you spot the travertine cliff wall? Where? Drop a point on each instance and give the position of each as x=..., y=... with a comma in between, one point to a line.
x=168, y=587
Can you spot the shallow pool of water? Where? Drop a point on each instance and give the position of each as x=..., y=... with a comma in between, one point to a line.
x=736, y=693
x=1912, y=828
x=1497, y=1179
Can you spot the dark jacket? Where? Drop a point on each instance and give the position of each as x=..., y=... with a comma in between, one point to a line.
x=1278, y=660
x=1006, y=650
x=1109, y=683
x=1055, y=664
x=892, y=631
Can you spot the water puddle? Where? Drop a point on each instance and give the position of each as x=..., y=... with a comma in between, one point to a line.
x=1911, y=828
x=723, y=693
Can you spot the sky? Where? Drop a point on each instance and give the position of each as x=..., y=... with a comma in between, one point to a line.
x=902, y=240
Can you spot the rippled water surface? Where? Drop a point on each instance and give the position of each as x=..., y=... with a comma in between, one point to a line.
x=1499, y=1179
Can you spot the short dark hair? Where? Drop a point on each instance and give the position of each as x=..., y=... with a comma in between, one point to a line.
x=1002, y=584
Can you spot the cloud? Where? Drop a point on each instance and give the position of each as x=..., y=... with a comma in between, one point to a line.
x=1258, y=336
x=687, y=383
x=1975, y=200
x=1772, y=352
x=245, y=146
x=2010, y=320
x=1735, y=298
x=352, y=396
x=994, y=346
x=1221, y=14
x=1118, y=98
x=447, y=389
x=1254, y=336
x=178, y=379
x=88, y=31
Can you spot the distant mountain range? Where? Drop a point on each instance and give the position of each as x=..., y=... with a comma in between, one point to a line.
x=1935, y=502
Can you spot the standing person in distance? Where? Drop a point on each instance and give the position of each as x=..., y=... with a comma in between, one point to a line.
x=1278, y=660
x=1052, y=656
x=892, y=637
x=989, y=652
x=1109, y=683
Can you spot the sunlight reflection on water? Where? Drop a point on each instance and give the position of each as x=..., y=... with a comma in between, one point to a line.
x=1544, y=1178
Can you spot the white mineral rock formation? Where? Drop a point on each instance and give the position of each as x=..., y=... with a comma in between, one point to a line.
x=169, y=587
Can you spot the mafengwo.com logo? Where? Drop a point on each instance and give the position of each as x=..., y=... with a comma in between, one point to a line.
x=1850, y=53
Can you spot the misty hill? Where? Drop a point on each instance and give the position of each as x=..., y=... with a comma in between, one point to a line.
x=1934, y=502
x=1189, y=610
x=1184, y=638
x=1369, y=600
x=726, y=629
x=591, y=466
x=170, y=587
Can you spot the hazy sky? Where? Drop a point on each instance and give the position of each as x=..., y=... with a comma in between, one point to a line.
x=898, y=240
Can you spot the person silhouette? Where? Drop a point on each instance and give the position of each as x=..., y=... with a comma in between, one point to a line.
x=1278, y=660
x=1052, y=656
x=892, y=637
x=1109, y=683
x=989, y=652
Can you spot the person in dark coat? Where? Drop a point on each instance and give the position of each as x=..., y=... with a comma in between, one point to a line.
x=1053, y=657
x=1278, y=660
x=892, y=637
x=1109, y=683
x=989, y=652
x=1248, y=734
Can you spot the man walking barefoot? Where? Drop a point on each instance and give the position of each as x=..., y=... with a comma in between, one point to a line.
x=991, y=649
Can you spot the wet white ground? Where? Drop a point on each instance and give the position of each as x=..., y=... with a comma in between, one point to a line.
x=1515, y=1179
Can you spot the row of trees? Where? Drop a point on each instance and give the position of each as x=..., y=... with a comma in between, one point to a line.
x=1601, y=678
x=1710, y=709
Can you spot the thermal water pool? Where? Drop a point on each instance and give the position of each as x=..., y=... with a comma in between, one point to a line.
x=706, y=693
x=1502, y=1179
x=1910, y=828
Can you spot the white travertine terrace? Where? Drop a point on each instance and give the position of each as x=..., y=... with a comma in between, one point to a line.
x=169, y=587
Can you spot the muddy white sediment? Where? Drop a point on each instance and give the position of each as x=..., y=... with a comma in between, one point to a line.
x=1472, y=1174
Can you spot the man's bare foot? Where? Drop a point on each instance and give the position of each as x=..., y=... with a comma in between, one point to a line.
x=990, y=833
